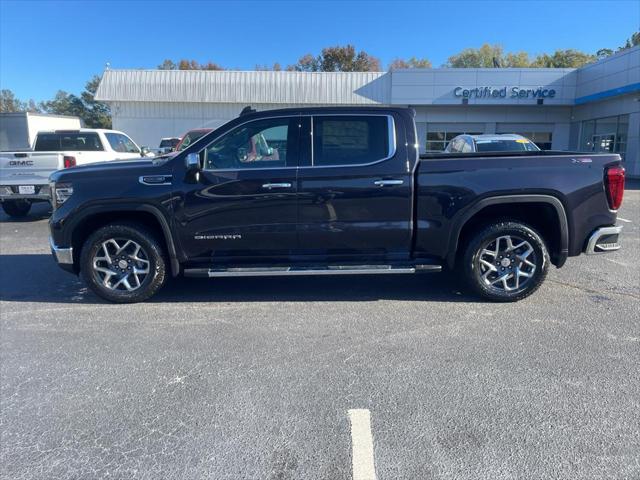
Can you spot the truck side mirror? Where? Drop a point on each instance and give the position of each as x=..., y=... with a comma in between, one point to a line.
x=192, y=162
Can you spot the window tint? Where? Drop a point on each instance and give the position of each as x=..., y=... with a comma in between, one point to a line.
x=259, y=144
x=57, y=142
x=349, y=140
x=121, y=143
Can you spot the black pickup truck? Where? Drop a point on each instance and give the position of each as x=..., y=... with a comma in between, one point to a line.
x=319, y=191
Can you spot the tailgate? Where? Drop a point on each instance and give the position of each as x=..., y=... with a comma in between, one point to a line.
x=28, y=168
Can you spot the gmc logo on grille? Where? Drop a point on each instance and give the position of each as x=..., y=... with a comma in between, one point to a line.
x=20, y=163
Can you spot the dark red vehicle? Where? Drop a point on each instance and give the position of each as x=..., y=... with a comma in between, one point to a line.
x=191, y=137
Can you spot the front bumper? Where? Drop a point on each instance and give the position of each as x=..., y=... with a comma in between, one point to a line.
x=11, y=192
x=63, y=256
x=603, y=240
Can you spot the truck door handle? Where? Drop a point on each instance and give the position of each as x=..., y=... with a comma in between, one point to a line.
x=386, y=183
x=269, y=186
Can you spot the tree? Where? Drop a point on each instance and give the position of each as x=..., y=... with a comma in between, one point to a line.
x=167, y=65
x=564, y=59
x=516, y=60
x=10, y=103
x=603, y=53
x=266, y=68
x=632, y=41
x=93, y=114
x=98, y=114
x=413, y=62
x=188, y=65
x=337, y=59
x=482, y=57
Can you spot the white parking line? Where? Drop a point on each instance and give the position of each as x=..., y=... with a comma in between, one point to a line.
x=624, y=220
x=361, y=445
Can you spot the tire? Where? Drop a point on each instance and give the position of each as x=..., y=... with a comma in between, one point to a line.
x=16, y=208
x=131, y=269
x=503, y=270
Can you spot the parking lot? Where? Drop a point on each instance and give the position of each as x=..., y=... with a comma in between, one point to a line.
x=255, y=377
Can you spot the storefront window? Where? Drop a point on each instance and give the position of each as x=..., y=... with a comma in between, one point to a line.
x=437, y=141
x=608, y=135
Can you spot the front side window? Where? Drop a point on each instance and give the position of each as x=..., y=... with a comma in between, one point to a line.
x=350, y=140
x=259, y=144
x=121, y=143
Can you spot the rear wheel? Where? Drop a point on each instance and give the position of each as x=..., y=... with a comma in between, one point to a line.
x=505, y=262
x=16, y=208
x=123, y=263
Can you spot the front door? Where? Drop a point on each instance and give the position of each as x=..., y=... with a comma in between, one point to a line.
x=243, y=206
x=354, y=189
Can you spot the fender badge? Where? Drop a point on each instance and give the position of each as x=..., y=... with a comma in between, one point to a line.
x=581, y=160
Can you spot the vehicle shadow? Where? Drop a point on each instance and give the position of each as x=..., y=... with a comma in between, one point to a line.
x=39, y=211
x=36, y=278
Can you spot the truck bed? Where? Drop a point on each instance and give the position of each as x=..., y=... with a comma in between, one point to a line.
x=451, y=187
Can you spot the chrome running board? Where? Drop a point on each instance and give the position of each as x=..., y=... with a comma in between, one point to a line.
x=291, y=270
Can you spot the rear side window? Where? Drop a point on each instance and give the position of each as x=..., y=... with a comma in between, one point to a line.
x=121, y=143
x=350, y=140
x=60, y=142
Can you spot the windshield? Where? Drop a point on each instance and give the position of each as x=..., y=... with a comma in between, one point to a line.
x=169, y=142
x=506, y=146
x=192, y=137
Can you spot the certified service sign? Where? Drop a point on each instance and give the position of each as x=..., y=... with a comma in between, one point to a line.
x=504, y=92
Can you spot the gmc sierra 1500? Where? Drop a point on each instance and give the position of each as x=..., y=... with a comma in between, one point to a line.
x=331, y=191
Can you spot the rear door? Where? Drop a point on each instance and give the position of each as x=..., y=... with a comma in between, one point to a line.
x=355, y=188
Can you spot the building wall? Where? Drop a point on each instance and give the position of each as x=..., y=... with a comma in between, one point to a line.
x=148, y=122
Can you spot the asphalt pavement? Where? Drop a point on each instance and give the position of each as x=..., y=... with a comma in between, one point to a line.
x=255, y=378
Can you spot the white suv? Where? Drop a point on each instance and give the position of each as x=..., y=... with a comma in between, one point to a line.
x=506, y=142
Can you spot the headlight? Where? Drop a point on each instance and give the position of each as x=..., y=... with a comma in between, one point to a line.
x=60, y=192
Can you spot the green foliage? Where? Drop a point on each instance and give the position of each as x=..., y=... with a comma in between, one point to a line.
x=337, y=59
x=489, y=56
x=188, y=65
x=9, y=103
x=564, y=59
x=93, y=114
x=413, y=62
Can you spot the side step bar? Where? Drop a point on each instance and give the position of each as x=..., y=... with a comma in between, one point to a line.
x=330, y=270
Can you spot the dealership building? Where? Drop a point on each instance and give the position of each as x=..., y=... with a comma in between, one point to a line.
x=594, y=108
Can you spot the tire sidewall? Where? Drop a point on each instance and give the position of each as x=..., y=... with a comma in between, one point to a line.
x=473, y=252
x=153, y=281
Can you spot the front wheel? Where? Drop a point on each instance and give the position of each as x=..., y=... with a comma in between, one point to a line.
x=505, y=262
x=123, y=263
x=16, y=208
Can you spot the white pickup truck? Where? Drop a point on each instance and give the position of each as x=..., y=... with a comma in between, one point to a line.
x=24, y=175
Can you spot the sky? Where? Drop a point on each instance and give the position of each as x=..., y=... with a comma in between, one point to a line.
x=47, y=46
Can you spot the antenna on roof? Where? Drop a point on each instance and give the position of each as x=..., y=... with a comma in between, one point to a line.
x=107, y=66
x=247, y=110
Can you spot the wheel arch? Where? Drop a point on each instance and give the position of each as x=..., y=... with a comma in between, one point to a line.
x=147, y=215
x=534, y=210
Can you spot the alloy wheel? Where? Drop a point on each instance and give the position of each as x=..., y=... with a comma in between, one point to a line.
x=121, y=264
x=506, y=263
